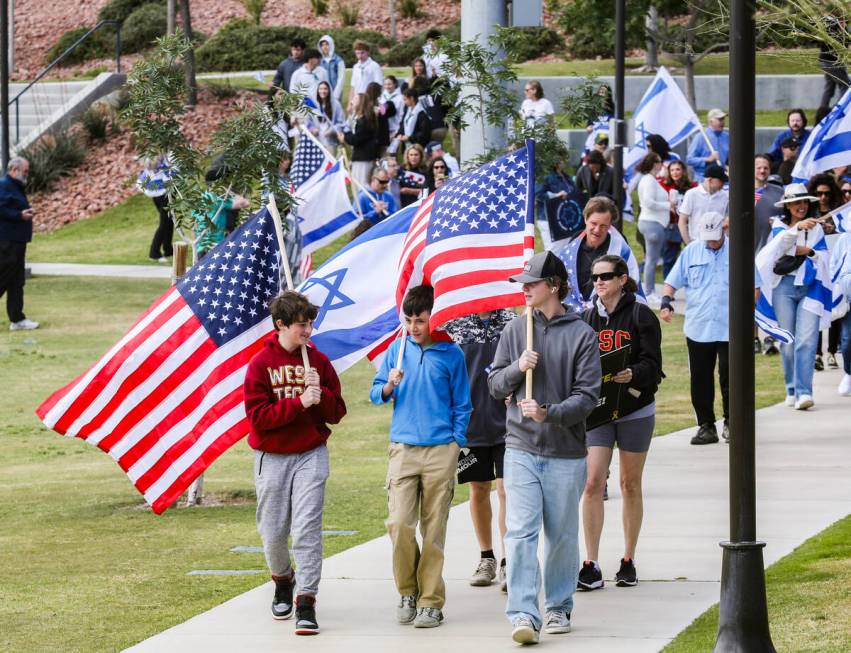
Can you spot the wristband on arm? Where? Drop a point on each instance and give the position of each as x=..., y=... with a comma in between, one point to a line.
x=666, y=303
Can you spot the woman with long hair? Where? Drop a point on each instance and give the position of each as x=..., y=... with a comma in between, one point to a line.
x=362, y=134
x=676, y=182
x=655, y=214
x=418, y=69
x=413, y=176
x=328, y=118
x=438, y=172
x=620, y=321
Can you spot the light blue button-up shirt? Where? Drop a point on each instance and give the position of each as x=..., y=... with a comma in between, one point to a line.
x=699, y=150
x=704, y=273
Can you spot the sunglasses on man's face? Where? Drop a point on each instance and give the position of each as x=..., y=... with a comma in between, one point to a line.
x=846, y=191
x=603, y=276
x=383, y=181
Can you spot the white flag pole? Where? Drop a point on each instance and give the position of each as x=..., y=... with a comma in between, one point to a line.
x=404, y=340
x=279, y=231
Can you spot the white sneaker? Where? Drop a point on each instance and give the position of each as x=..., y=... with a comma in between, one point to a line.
x=556, y=622
x=790, y=400
x=23, y=325
x=485, y=573
x=844, y=388
x=804, y=402
x=524, y=631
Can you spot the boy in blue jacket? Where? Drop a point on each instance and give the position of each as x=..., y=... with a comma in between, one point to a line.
x=430, y=416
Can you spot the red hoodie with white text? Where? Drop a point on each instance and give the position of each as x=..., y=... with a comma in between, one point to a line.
x=274, y=382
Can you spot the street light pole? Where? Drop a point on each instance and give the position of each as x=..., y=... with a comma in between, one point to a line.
x=743, y=618
x=620, y=131
x=4, y=82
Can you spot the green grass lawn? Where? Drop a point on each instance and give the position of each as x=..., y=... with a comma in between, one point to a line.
x=77, y=534
x=807, y=598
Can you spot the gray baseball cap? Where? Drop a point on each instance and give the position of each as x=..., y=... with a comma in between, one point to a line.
x=541, y=266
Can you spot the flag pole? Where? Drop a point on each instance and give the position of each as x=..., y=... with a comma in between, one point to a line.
x=404, y=340
x=279, y=231
x=529, y=338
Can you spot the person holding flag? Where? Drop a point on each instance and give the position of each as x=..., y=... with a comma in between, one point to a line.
x=428, y=384
x=713, y=147
x=545, y=451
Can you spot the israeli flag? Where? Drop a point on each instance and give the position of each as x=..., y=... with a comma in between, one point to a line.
x=829, y=144
x=663, y=110
x=842, y=218
x=324, y=211
x=356, y=294
x=812, y=273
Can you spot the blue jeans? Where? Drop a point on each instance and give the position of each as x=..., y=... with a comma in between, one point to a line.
x=799, y=357
x=654, y=240
x=541, y=489
x=845, y=342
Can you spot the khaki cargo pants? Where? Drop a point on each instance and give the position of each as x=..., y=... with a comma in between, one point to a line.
x=420, y=487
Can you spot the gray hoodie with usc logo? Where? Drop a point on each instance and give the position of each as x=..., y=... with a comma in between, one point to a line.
x=566, y=380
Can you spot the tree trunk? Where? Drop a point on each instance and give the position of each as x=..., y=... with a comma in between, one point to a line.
x=688, y=70
x=169, y=21
x=651, y=25
x=391, y=9
x=189, y=59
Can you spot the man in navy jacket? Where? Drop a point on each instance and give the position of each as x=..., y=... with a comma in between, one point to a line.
x=16, y=230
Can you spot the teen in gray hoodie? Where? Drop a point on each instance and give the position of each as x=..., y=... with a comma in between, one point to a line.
x=333, y=64
x=544, y=466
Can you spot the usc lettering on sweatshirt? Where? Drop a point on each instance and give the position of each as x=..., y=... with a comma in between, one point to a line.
x=274, y=382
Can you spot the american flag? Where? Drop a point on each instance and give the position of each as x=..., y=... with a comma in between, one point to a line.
x=309, y=161
x=166, y=400
x=469, y=236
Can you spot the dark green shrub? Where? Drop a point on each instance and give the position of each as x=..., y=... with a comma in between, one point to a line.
x=254, y=9
x=145, y=24
x=51, y=157
x=402, y=54
x=120, y=10
x=590, y=25
x=525, y=43
x=320, y=7
x=347, y=12
x=95, y=122
x=409, y=8
x=99, y=44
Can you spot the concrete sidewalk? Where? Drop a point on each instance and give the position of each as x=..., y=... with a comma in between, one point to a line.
x=90, y=270
x=804, y=481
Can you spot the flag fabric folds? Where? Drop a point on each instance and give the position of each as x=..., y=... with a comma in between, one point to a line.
x=829, y=144
x=324, y=210
x=469, y=236
x=166, y=400
x=309, y=162
x=355, y=293
x=842, y=218
x=663, y=110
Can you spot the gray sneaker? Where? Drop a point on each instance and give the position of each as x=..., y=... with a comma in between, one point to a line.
x=524, y=631
x=503, y=581
x=485, y=573
x=428, y=618
x=407, y=609
x=556, y=622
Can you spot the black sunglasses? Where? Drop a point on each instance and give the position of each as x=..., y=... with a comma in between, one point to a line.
x=846, y=191
x=603, y=276
x=383, y=181
x=821, y=193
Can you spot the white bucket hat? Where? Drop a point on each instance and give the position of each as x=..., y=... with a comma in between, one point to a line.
x=795, y=193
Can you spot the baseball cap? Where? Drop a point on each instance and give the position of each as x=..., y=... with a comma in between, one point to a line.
x=714, y=171
x=716, y=113
x=433, y=145
x=711, y=226
x=541, y=266
x=790, y=142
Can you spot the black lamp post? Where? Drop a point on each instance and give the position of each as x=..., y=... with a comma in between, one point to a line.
x=619, y=135
x=4, y=81
x=743, y=619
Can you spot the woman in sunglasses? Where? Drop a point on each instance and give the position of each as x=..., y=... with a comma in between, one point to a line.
x=438, y=171
x=621, y=321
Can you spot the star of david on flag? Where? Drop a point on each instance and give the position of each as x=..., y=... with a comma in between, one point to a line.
x=470, y=235
x=166, y=401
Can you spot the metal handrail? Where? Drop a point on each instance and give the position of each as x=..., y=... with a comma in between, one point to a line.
x=62, y=56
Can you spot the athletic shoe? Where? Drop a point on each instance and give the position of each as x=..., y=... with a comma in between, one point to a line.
x=485, y=573
x=757, y=346
x=706, y=434
x=626, y=576
x=725, y=432
x=770, y=347
x=790, y=400
x=831, y=361
x=428, y=618
x=804, y=402
x=556, y=622
x=844, y=388
x=282, y=604
x=524, y=631
x=503, y=581
x=23, y=325
x=590, y=577
x=406, y=611
x=819, y=365
x=305, y=615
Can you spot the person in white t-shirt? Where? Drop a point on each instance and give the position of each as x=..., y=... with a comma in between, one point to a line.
x=307, y=78
x=709, y=195
x=364, y=72
x=536, y=108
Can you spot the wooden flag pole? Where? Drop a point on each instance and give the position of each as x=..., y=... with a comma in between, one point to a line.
x=285, y=262
x=529, y=338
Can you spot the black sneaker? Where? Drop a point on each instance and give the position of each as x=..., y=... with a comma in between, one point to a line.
x=706, y=434
x=819, y=365
x=282, y=604
x=626, y=576
x=305, y=616
x=770, y=347
x=590, y=577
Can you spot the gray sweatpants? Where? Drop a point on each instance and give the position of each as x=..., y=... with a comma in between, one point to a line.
x=290, y=497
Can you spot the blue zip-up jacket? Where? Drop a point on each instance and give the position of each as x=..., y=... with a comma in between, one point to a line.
x=699, y=150
x=432, y=403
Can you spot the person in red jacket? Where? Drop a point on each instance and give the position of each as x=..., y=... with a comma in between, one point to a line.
x=289, y=409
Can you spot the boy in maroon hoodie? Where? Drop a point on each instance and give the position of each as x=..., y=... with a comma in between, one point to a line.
x=288, y=410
